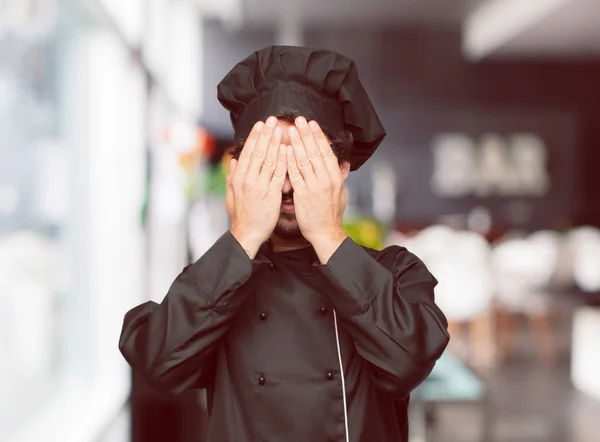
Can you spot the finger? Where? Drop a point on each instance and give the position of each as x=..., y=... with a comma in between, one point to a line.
x=270, y=161
x=311, y=147
x=244, y=161
x=280, y=172
x=329, y=158
x=293, y=170
x=302, y=161
x=260, y=149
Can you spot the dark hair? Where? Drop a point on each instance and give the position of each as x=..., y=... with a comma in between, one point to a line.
x=341, y=144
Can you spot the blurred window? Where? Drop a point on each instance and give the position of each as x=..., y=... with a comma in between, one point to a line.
x=72, y=174
x=35, y=281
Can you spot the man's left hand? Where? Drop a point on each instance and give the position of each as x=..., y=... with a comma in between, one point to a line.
x=319, y=192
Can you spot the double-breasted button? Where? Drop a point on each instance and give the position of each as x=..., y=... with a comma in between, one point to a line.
x=323, y=311
x=261, y=380
x=329, y=375
x=263, y=316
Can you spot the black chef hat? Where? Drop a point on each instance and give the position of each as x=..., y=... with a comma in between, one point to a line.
x=321, y=85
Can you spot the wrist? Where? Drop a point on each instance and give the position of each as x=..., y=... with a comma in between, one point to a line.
x=327, y=244
x=337, y=234
x=248, y=242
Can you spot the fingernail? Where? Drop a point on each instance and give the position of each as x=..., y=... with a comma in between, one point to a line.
x=301, y=122
x=258, y=126
x=271, y=121
x=293, y=131
x=313, y=126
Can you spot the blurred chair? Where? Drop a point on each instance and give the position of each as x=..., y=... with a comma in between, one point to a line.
x=523, y=270
x=460, y=263
x=584, y=244
x=562, y=277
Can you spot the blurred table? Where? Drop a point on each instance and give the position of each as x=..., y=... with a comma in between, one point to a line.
x=450, y=383
x=585, y=345
x=585, y=341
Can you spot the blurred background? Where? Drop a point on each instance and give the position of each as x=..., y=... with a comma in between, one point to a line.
x=112, y=163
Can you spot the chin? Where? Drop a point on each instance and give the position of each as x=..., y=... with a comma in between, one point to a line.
x=288, y=230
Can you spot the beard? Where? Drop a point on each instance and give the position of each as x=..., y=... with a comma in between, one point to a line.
x=287, y=227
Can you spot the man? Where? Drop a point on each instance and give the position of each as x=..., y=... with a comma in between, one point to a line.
x=297, y=332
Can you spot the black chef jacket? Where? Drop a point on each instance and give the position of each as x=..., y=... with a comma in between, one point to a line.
x=291, y=350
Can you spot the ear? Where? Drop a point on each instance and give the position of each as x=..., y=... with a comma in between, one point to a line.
x=345, y=168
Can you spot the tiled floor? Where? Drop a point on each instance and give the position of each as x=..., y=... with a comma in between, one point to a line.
x=532, y=404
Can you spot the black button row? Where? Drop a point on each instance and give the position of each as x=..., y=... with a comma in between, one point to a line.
x=262, y=380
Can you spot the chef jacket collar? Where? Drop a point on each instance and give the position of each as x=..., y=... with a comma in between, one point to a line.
x=307, y=254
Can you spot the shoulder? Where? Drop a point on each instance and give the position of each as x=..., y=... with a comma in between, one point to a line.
x=393, y=256
x=399, y=260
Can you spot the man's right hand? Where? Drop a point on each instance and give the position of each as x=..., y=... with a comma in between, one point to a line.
x=254, y=186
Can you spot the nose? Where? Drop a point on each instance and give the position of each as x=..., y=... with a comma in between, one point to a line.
x=287, y=186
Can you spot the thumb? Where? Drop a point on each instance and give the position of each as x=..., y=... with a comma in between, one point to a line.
x=232, y=164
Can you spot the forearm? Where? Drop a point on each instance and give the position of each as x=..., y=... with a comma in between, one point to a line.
x=387, y=308
x=400, y=339
x=161, y=340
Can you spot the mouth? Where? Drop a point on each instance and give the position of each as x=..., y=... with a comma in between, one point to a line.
x=287, y=205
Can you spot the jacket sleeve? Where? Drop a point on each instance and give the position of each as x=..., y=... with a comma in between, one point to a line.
x=173, y=344
x=389, y=312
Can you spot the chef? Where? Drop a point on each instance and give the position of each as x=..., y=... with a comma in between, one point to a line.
x=298, y=333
